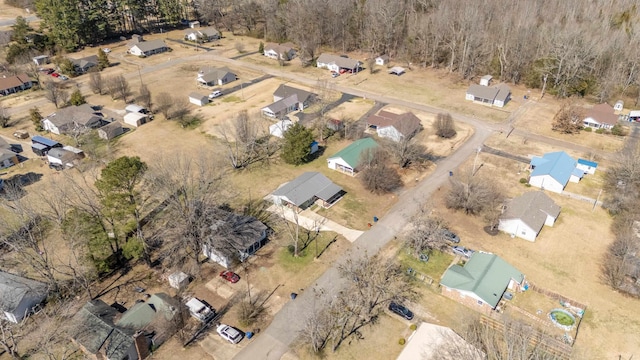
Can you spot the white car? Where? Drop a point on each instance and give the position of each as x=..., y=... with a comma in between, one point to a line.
x=229, y=333
x=200, y=310
x=215, y=94
x=106, y=50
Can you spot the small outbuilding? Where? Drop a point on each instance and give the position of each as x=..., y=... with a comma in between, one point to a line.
x=178, y=280
x=134, y=108
x=619, y=105
x=41, y=60
x=486, y=80
x=61, y=157
x=110, y=131
x=382, y=60
x=198, y=99
x=278, y=129
x=136, y=119
x=396, y=70
x=589, y=167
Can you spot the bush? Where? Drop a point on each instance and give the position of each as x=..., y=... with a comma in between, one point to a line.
x=444, y=126
x=413, y=327
x=523, y=180
x=587, y=129
x=600, y=131
x=618, y=131
x=401, y=341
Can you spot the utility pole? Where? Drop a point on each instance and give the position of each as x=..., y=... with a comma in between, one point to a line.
x=475, y=161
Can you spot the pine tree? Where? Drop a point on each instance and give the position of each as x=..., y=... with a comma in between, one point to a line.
x=103, y=60
x=77, y=98
x=297, y=145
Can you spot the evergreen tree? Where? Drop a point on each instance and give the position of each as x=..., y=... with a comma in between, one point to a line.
x=77, y=98
x=297, y=144
x=36, y=118
x=261, y=48
x=103, y=60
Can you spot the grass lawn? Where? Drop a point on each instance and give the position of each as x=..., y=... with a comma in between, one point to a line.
x=434, y=268
x=306, y=254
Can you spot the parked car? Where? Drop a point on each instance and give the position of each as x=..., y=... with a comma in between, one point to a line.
x=21, y=134
x=334, y=74
x=342, y=71
x=56, y=167
x=400, y=310
x=462, y=251
x=63, y=77
x=229, y=333
x=55, y=74
x=200, y=310
x=106, y=50
x=215, y=94
x=230, y=276
x=450, y=236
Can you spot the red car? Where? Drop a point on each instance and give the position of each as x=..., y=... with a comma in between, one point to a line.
x=230, y=276
x=55, y=75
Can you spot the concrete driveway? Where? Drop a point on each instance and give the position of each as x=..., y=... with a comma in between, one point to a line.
x=314, y=222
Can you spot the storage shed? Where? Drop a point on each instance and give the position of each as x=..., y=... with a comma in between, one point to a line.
x=136, y=119
x=198, y=99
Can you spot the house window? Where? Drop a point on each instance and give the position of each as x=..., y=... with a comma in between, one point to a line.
x=524, y=232
x=480, y=302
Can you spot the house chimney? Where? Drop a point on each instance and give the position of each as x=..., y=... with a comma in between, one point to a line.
x=142, y=345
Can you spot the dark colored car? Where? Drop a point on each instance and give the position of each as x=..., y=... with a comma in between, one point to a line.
x=400, y=310
x=56, y=167
x=230, y=276
x=450, y=236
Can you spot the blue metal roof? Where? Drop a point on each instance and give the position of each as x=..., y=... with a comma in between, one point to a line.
x=577, y=172
x=43, y=140
x=587, y=163
x=559, y=165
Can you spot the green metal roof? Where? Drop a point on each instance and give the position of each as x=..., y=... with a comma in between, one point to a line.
x=351, y=154
x=143, y=313
x=486, y=275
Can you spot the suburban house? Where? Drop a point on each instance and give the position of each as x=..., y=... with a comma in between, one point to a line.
x=278, y=129
x=307, y=189
x=481, y=282
x=336, y=63
x=102, y=332
x=233, y=238
x=210, y=76
x=525, y=215
x=198, y=99
x=435, y=342
x=287, y=99
x=601, y=116
x=394, y=126
x=494, y=96
x=382, y=60
x=110, y=131
x=348, y=159
x=14, y=84
x=202, y=34
x=8, y=158
x=148, y=48
x=73, y=118
x=83, y=65
x=41, y=145
x=589, y=167
x=19, y=295
x=61, y=156
x=136, y=119
x=284, y=52
x=553, y=171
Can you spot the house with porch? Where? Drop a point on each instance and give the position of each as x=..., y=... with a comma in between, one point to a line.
x=482, y=281
x=287, y=99
x=493, y=96
x=13, y=84
x=73, y=118
x=348, y=159
x=601, y=116
x=202, y=34
x=525, y=215
x=83, y=65
x=148, y=48
x=308, y=189
x=337, y=63
x=211, y=76
x=394, y=126
x=232, y=238
x=275, y=51
x=553, y=171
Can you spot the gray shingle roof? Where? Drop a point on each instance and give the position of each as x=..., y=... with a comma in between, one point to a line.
x=82, y=115
x=345, y=63
x=483, y=92
x=209, y=74
x=283, y=104
x=93, y=328
x=14, y=288
x=231, y=232
x=306, y=186
x=284, y=91
x=150, y=45
x=532, y=209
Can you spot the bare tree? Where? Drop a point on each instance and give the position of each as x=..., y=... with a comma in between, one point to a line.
x=407, y=151
x=9, y=338
x=118, y=88
x=56, y=94
x=376, y=174
x=568, y=119
x=144, y=98
x=426, y=232
x=473, y=194
x=164, y=102
x=96, y=83
x=245, y=141
x=444, y=126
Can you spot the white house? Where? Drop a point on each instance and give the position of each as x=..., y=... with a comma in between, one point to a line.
x=136, y=119
x=601, y=116
x=210, y=76
x=19, y=295
x=394, y=126
x=279, y=51
x=233, y=238
x=382, y=60
x=494, y=96
x=148, y=48
x=336, y=63
x=553, y=171
x=198, y=99
x=486, y=80
x=202, y=34
x=348, y=159
x=525, y=215
x=278, y=129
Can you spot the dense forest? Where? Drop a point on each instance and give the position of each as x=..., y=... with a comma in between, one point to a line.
x=572, y=47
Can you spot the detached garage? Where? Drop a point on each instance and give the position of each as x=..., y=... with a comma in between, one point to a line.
x=136, y=119
x=198, y=99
